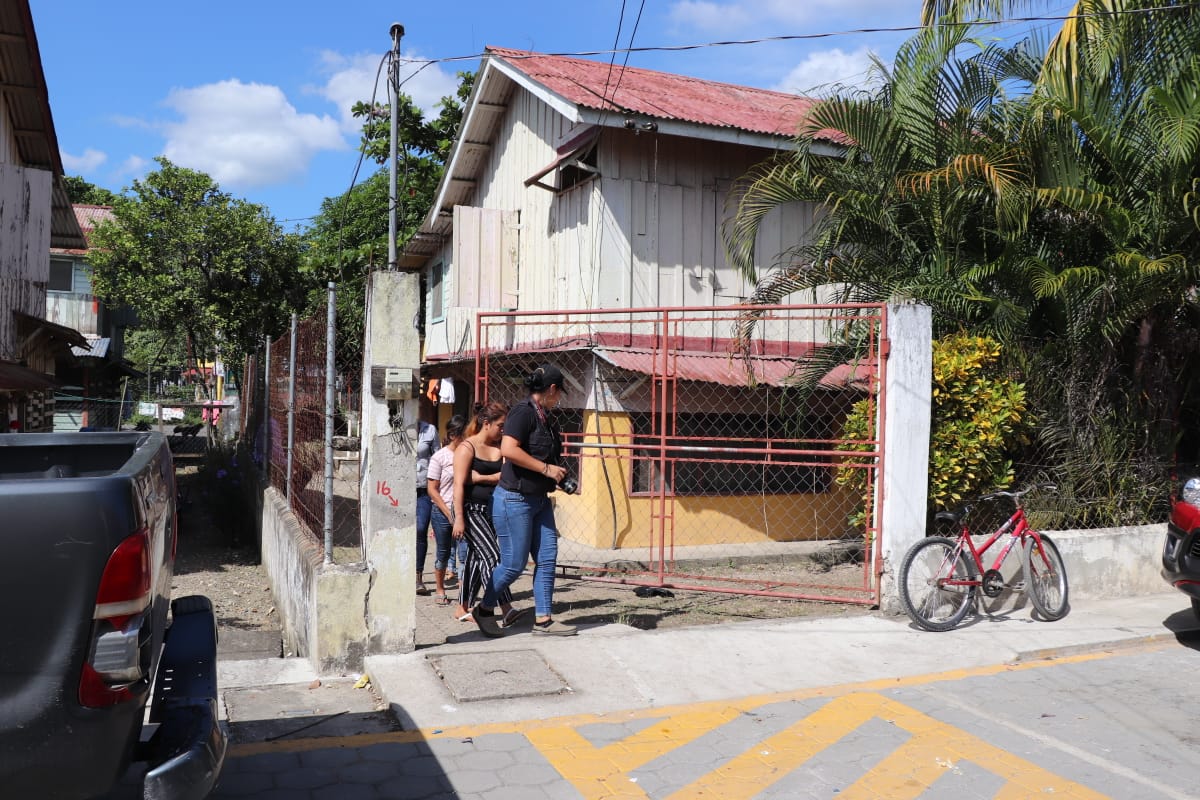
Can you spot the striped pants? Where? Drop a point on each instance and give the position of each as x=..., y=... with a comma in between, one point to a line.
x=483, y=554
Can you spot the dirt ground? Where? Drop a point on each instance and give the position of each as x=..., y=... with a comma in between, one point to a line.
x=230, y=574
x=207, y=562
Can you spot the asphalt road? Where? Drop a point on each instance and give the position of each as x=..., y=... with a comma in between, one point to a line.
x=1109, y=724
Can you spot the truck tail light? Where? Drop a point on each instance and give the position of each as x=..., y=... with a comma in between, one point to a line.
x=115, y=659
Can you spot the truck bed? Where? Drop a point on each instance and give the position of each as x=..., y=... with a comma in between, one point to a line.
x=50, y=456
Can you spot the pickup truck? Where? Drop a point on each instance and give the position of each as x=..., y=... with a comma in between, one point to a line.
x=98, y=668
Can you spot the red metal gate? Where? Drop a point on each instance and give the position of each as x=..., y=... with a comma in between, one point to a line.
x=730, y=449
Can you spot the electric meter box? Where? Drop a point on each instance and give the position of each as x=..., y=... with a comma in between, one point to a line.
x=392, y=383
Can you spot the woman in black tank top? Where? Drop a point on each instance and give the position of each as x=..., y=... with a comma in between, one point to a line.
x=477, y=466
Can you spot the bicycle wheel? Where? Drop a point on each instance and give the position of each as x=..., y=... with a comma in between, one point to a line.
x=929, y=602
x=1045, y=578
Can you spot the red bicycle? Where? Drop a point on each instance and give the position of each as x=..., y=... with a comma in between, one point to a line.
x=940, y=576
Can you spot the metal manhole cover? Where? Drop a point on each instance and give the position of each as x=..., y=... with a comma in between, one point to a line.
x=497, y=675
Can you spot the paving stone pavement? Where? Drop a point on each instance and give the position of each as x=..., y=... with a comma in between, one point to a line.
x=1004, y=731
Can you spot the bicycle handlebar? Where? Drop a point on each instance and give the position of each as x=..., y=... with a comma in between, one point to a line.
x=1015, y=496
x=1025, y=491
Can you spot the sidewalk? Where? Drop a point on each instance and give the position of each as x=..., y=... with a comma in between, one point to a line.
x=471, y=680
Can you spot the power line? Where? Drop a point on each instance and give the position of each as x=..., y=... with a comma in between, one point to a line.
x=824, y=34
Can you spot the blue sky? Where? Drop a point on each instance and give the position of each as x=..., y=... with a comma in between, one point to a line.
x=257, y=93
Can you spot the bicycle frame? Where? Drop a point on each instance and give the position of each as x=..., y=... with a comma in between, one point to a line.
x=1016, y=528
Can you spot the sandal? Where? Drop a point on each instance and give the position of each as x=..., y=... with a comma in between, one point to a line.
x=423, y=591
x=442, y=600
x=464, y=617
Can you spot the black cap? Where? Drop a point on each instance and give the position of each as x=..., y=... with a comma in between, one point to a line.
x=544, y=377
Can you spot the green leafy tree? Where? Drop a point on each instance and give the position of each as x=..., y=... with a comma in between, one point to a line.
x=81, y=191
x=197, y=264
x=349, y=234
x=348, y=238
x=1046, y=196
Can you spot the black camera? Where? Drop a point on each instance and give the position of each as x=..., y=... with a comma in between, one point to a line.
x=569, y=484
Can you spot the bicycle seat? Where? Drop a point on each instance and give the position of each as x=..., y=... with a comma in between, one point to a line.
x=951, y=517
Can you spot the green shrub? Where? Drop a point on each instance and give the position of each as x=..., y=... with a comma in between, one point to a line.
x=977, y=418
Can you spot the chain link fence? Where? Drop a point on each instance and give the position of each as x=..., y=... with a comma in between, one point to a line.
x=302, y=414
x=710, y=445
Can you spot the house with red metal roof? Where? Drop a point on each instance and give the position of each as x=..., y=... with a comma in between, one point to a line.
x=577, y=192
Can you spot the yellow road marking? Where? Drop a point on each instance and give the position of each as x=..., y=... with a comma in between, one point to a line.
x=904, y=774
x=774, y=757
x=714, y=706
x=606, y=772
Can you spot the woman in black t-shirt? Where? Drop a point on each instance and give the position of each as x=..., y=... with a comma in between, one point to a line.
x=521, y=510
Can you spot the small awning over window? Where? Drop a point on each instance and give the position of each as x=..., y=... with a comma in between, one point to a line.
x=565, y=153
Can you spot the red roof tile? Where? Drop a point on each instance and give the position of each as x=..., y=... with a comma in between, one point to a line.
x=662, y=95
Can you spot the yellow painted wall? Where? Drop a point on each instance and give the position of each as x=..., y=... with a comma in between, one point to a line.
x=588, y=517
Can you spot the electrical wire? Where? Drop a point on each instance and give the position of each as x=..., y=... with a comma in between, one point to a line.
x=982, y=23
x=616, y=41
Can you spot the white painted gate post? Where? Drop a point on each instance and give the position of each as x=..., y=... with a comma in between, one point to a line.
x=904, y=486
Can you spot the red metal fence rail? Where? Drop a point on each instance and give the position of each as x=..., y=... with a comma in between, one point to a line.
x=704, y=461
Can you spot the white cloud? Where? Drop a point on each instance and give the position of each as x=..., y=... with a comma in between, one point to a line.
x=245, y=134
x=134, y=165
x=353, y=79
x=84, y=164
x=816, y=74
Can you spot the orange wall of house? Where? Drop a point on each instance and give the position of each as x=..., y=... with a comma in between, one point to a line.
x=588, y=518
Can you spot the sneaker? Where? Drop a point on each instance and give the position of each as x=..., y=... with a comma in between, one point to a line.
x=487, y=623
x=553, y=627
x=510, y=619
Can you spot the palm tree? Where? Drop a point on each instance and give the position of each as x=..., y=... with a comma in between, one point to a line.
x=1048, y=193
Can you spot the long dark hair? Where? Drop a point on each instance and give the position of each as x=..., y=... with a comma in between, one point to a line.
x=455, y=427
x=485, y=414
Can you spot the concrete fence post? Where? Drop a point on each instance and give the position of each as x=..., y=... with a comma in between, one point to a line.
x=903, y=491
x=387, y=491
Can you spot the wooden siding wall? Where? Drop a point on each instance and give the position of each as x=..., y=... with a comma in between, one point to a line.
x=646, y=233
x=8, y=144
x=24, y=248
x=77, y=308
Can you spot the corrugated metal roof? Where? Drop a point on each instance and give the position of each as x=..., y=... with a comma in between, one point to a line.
x=596, y=85
x=88, y=218
x=16, y=378
x=99, y=347
x=91, y=216
x=729, y=370
x=27, y=323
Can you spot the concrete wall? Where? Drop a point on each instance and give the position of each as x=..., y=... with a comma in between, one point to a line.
x=321, y=606
x=1101, y=564
x=291, y=560
x=1112, y=562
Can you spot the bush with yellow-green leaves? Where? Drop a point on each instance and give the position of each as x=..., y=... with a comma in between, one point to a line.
x=978, y=417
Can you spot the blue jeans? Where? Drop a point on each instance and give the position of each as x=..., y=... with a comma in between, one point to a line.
x=443, y=537
x=524, y=527
x=424, y=507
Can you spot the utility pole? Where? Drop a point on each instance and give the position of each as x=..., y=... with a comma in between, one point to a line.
x=397, y=32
